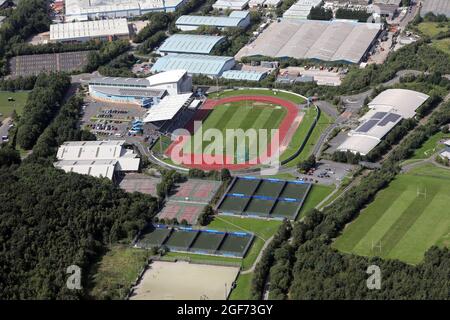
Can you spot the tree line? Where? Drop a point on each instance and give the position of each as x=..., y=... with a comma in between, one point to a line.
x=41, y=107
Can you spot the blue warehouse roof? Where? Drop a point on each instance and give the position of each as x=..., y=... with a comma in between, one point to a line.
x=194, y=64
x=243, y=75
x=190, y=43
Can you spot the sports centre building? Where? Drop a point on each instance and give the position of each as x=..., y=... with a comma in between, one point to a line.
x=386, y=110
x=337, y=40
x=144, y=92
x=96, y=158
x=82, y=10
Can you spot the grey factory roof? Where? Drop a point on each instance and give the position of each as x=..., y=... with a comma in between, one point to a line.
x=194, y=64
x=190, y=43
x=313, y=39
x=435, y=6
x=243, y=75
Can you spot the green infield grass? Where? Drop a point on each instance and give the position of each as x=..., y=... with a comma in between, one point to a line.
x=405, y=219
x=7, y=107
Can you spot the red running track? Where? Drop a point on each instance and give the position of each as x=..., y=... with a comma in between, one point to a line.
x=206, y=162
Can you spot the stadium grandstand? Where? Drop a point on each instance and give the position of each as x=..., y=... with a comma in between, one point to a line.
x=141, y=91
x=237, y=19
x=194, y=64
x=96, y=158
x=386, y=110
x=230, y=4
x=339, y=41
x=107, y=29
x=83, y=10
x=190, y=43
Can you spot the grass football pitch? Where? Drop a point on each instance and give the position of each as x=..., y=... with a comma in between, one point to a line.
x=405, y=219
x=240, y=115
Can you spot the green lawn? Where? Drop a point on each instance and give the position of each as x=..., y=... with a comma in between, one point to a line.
x=300, y=134
x=315, y=196
x=322, y=124
x=117, y=271
x=7, y=107
x=161, y=144
x=405, y=219
x=442, y=44
x=430, y=146
x=431, y=29
x=243, y=286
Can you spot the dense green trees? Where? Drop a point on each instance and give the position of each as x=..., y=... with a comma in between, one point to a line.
x=119, y=67
x=42, y=105
x=29, y=17
x=107, y=52
x=320, y=13
x=8, y=156
x=50, y=220
x=65, y=127
x=306, y=165
x=360, y=15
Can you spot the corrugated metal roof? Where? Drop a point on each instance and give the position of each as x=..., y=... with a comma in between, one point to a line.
x=88, y=29
x=193, y=64
x=190, y=43
x=208, y=21
x=243, y=75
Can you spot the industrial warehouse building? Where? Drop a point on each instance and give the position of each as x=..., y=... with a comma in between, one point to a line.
x=340, y=41
x=88, y=30
x=386, y=110
x=244, y=75
x=194, y=64
x=435, y=6
x=96, y=158
x=236, y=19
x=82, y=10
x=264, y=3
x=231, y=4
x=144, y=92
x=190, y=43
x=301, y=9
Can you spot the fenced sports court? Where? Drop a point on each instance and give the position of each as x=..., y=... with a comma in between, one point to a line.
x=197, y=241
x=195, y=190
x=264, y=198
x=132, y=182
x=181, y=211
x=185, y=281
x=28, y=65
x=188, y=199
